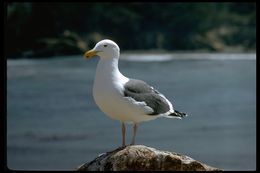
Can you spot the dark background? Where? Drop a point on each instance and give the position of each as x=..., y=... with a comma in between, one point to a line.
x=49, y=29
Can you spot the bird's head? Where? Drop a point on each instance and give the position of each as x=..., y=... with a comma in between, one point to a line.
x=104, y=49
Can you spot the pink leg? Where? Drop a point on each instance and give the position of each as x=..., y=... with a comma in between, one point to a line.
x=123, y=133
x=135, y=129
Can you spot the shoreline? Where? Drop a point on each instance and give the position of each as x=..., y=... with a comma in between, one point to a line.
x=160, y=56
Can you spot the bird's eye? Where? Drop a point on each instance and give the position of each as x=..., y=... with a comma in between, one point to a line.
x=105, y=45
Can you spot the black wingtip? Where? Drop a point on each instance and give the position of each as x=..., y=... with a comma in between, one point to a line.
x=178, y=114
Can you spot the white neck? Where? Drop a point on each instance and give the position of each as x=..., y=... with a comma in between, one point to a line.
x=107, y=71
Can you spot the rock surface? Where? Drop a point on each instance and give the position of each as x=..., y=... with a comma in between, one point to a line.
x=142, y=158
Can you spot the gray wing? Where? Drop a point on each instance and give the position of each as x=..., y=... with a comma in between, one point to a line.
x=142, y=92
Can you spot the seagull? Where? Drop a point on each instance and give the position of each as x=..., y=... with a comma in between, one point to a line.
x=125, y=99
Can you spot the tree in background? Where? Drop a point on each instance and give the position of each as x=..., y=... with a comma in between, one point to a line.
x=46, y=29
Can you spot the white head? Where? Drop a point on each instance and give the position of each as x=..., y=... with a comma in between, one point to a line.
x=104, y=49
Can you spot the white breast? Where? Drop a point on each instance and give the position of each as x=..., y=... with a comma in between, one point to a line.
x=108, y=95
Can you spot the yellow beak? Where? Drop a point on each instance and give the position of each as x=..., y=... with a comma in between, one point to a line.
x=90, y=53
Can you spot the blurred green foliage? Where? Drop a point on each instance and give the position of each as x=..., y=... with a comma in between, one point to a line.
x=46, y=29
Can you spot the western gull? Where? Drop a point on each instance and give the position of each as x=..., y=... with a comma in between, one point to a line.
x=125, y=99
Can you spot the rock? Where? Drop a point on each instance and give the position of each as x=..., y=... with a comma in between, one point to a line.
x=143, y=158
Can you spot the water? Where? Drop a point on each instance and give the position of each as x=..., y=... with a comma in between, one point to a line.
x=54, y=124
